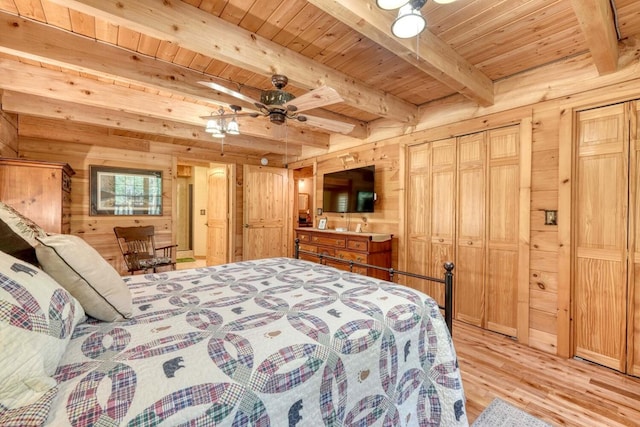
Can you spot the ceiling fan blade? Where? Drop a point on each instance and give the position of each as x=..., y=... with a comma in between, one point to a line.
x=319, y=97
x=328, y=124
x=229, y=115
x=226, y=90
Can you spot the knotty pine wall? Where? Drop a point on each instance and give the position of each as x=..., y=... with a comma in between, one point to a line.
x=8, y=134
x=548, y=310
x=107, y=151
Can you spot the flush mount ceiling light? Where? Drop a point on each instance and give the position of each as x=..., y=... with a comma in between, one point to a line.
x=410, y=21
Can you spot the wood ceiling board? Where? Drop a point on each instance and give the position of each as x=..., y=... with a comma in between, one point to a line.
x=258, y=13
x=434, y=57
x=236, y=10
x=520, y=59
x=128, y=39
x=9, y=5
x=241, y=48
x=280, y=17
x=57, y=15
x=629, y=19
x=522, y=33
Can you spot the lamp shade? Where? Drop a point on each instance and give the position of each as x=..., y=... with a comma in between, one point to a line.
x=390, y=4
x=409, y=23
x=212, y=126
x=233, y=128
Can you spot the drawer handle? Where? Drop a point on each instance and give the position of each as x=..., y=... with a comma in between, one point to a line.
x=469, y=242
x=359, y=259
x=341, y=256
x=440, y=240
x=338, y=242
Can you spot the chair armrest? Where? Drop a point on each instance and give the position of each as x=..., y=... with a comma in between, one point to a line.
x=167, y=251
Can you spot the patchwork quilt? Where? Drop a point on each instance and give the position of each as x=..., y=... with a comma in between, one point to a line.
x=272, y=342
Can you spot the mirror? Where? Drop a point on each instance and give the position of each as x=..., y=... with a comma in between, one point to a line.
x=303, y=202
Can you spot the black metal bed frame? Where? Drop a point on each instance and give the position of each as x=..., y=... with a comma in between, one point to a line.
x=447, y=281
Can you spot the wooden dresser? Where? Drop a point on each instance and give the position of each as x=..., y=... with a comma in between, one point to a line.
x=367, y=248
x=41, y=191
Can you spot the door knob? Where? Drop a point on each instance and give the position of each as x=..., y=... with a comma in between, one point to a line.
x=245, y=225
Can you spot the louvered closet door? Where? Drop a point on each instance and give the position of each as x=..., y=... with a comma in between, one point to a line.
x=633, y=317
x=601, y=216
x=502, y=230
x=470, y=241
x=430, y=213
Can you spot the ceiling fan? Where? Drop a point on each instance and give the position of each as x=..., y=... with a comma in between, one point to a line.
x=280, y=105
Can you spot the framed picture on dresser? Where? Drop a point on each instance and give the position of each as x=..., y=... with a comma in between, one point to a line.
x=322, y=224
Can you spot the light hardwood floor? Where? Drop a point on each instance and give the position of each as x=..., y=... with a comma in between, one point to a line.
x=560, y=391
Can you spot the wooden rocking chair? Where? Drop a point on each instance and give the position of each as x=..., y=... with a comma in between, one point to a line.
x=138, y=247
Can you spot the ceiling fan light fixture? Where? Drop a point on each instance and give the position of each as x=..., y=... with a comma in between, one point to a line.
x=218, y=134
x=390, y=4
x=233, y=128
x=409, y=22
x=212, y=126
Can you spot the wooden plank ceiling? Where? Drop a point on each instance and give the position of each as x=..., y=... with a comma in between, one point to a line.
x=133, y=66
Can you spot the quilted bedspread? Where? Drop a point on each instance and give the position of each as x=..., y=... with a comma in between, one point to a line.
x=273, y=342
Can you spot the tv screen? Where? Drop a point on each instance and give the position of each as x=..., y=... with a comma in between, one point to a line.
x=350, y=190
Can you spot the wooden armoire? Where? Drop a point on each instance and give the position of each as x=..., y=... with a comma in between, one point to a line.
x=463, y=205
x=606, y=236
x=41, y=191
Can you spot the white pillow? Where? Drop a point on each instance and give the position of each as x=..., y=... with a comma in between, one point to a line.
x=37, y=318
x=81, y=270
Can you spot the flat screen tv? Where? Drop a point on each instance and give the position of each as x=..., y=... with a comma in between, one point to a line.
x=350, y=190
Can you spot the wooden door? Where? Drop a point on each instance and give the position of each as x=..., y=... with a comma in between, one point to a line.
x=469, y=294
x=503, y=191
x=600, y=224
x=633, y=306
x=218, y=215
x=418, y=213
x=443, y=204
x=265, y=206
x=431, y=212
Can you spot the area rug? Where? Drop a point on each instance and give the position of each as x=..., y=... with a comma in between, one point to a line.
x=502, y=414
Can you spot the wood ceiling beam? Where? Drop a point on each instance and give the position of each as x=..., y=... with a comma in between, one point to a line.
x=598, y=27
x=433, y=56
x=20, y=77
x=37, y=106
x=202, y=32
x=39, y=42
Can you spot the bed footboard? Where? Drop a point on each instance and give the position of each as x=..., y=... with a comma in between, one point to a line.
x=446, y=281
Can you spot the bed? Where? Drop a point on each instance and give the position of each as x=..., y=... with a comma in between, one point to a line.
x=271, y=342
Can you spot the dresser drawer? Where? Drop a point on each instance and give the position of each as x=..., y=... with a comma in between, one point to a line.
x=308, y=248
x=352, y=256
x=336, y=242
x=358, y=244
x=304, y=237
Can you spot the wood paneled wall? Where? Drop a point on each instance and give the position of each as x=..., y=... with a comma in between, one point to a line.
x=103, y=149
x=8, y=134
x=549, y=289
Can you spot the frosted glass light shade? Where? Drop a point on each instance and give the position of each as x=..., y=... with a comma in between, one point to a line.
x=212, y=126
x=409, y=23
x=233, y=128
x=390, y=4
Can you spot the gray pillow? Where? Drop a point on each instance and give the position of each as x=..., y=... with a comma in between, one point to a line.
x=18, y=234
